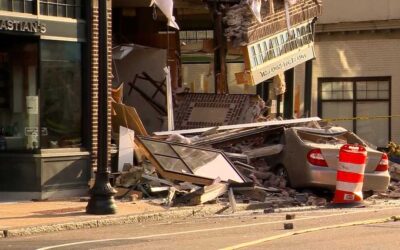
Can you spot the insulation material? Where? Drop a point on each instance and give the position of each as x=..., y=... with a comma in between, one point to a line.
x=170, y=109
x=167, y=7
x=255, y=7
x=126, y=147
x=279, y=84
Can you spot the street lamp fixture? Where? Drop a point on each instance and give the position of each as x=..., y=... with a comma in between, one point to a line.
x=102, y=193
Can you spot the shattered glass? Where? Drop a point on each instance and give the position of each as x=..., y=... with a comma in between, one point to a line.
x=195, y=161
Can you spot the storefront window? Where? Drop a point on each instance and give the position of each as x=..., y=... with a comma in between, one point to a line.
x=61, y=94
x=24, y=6
x=19, y=100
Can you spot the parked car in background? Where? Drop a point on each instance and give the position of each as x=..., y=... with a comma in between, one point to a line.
x=310, y=158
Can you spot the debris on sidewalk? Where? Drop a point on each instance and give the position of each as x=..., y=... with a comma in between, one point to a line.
x=203, y=194
x=226, y=161
x=213, y=166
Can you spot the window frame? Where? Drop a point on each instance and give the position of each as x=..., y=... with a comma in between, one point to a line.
x=11, y=8
x=79, y=8
x=355, y=99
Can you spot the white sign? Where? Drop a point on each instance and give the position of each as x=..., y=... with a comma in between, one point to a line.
x=125, y=147
x=285, y=50
x=32, y=105
x=265, y=72
x=170, y=108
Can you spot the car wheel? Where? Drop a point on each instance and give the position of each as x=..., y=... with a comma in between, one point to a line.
x=282, y=172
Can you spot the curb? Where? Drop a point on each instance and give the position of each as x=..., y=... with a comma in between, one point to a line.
x=178, y=213
x=174, y=213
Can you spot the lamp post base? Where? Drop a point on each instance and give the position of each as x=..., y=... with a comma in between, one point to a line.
x=101, y=196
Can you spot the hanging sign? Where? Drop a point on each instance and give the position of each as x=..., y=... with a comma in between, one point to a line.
x=283, y=51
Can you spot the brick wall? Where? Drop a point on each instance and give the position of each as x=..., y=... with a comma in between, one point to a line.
x=95, y=76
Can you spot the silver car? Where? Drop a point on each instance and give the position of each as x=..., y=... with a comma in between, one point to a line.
x=310, y=158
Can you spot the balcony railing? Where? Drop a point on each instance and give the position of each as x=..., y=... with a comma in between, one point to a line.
x=244, y=29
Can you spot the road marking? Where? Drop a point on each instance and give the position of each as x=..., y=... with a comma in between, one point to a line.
x=309, y=230
x=202, y=230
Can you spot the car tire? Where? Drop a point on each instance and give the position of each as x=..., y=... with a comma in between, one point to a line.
x=282, y=172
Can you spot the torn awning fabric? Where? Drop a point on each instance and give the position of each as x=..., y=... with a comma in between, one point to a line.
x=166, y=7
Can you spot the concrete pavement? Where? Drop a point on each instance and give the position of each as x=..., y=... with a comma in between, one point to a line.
x=248, y=229
x=27, y=218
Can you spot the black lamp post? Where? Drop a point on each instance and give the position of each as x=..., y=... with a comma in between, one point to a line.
x=102, y=193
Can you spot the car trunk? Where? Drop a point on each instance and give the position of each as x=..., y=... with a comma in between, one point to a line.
x=331, y=156
x=330, y=144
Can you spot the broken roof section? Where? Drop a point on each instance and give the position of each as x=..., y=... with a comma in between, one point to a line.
x=198, y=110
x=187, y=163
x=239, y=126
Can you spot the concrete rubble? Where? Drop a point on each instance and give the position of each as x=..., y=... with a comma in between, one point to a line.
x=261, y=185
x=225, y=163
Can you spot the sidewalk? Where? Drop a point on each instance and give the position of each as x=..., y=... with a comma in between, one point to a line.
x=27, y=218
x=30, y=217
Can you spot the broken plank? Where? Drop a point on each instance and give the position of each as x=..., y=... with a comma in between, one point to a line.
x=204, y=194
x=232, y=200
x=264, y=151
x=152, y=178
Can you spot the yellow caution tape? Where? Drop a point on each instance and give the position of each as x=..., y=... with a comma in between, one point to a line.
x=360, y=118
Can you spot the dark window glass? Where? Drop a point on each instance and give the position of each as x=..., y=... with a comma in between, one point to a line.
x=4, y=5
x=43, y=9
x=71, y=12
x=52, y=9
x=29, y=6
x=61, y=94
x=24, y=6
x=18, y=5
x=61, y=10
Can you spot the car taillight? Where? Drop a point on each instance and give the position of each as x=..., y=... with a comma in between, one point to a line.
x=315, y=157
x=383, y=164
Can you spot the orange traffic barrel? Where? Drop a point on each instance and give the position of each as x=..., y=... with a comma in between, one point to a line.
x=350, y=174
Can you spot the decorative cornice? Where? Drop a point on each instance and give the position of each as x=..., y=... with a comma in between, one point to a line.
x=358, y=26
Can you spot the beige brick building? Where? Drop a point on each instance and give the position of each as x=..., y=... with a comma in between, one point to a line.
x=357, y=69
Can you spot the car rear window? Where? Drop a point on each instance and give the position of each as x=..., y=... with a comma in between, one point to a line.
x=340, y=138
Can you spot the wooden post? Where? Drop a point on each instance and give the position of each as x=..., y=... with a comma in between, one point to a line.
x=308, y=88
x=289, y=94
x=220, y=51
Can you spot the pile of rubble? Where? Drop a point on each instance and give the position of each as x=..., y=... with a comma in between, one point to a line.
x=174, y=169
x=231, y=161
x=394, y=170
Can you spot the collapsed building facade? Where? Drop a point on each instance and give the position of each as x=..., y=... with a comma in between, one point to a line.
x=220, y=48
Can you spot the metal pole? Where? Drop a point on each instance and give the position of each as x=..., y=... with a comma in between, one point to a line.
x=101, y=195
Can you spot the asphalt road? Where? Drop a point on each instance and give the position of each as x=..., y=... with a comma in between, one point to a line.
x=361, y=228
